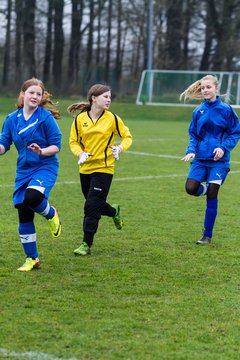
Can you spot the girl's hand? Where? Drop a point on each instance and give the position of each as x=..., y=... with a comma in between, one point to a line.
x=82, y=157
x=218, y=154
x=2, y=149
x=116, y=151
x=188, y=157
x=35, y=148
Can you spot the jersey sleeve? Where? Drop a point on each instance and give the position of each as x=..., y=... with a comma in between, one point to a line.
x=123, y=132
x=53, y=132
x=6, y=134
x=193, y=137
x=233, y=132
x=74, y=142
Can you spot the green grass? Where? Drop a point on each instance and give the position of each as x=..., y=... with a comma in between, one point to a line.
x=146, y=292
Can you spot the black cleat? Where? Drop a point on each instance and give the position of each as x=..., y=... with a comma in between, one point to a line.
x=204, y=240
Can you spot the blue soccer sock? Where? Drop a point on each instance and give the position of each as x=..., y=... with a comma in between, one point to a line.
x=202, y=190
x=27, y=235
x=210, y=216
x=45, y=209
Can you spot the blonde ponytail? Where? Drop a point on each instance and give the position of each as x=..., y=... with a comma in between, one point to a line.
x=194, y=90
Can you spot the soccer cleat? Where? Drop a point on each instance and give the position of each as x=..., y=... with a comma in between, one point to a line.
x=117, y=219
x=83, y=249
x=29, y=265
x=55, y=224
x=204, y=240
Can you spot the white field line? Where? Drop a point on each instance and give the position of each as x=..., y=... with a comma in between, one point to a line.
x=154, y=155
x=130, y=178
x=165, y=156
x=148, y=140
x=234, y=162
x=138, y=178
x=30, y=355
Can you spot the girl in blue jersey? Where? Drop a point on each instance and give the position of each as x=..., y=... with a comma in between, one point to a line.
x=37, y=138
x=214, y=131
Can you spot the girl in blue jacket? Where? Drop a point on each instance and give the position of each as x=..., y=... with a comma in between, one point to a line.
x=214, y=131
x=37, y=138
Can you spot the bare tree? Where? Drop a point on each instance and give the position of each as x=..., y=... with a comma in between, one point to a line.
x=89, y=54
x=75, y=41
x=222, y=15
x=18, y=41
x=98, y=43
x=6, y=58
x=137, y=22
x=28, y=53
x=108, y=46
x=119, y=49
x=108, y=39
x=58, y=6
x=190, y=8
x=174, y=32
x=48, y=43
x=208, y=43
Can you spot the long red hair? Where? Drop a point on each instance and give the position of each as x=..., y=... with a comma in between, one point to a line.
x=46, y=96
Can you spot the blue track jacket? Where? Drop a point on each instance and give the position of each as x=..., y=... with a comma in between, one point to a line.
x=214, y=125
x=42, y=129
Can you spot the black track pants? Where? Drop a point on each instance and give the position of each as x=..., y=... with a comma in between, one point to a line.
x=95, y=188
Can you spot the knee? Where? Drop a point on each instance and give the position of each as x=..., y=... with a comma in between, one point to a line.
x=33, y=198
x=89, y=205
x=91, y=208
x=190, y=189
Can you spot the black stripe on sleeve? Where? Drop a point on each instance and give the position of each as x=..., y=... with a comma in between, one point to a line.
x=116, y=123
x=75, y=124
x=105, y=151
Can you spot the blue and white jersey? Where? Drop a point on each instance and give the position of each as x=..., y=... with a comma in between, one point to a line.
x=214, y=125
x=40, y=128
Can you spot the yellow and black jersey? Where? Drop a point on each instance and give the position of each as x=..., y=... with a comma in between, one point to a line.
x=95, y=137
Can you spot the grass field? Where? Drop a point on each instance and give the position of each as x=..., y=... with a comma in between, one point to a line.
x=147, y=292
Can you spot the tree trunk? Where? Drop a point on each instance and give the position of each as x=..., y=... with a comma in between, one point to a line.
x=144, y=33
x=98, y=63
x=6, y=58
x=18, y=42
x=98, y=49
x=58, y=6
x=118, y=61
x=174, y=34
x=89, y=54
x=223, y=29
x=187, y=16
x=108, y=47
x=48, y=45
x=75, y=41
x=29, y=39
x=206, y=56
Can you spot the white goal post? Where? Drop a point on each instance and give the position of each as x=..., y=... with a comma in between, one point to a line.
x=163, y=87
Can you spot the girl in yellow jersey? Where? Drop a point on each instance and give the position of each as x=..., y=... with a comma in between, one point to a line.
x=92, y=139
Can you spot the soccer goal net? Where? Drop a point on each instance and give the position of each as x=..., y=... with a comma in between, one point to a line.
x=163, y=87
